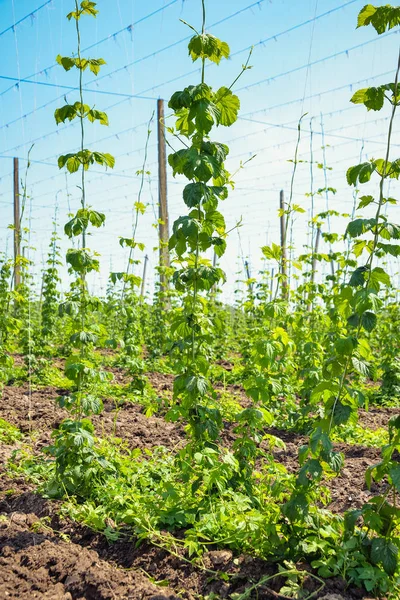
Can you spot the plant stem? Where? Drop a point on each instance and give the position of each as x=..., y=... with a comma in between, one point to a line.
x=203, y=30
x=83, y=197
x=376, y=233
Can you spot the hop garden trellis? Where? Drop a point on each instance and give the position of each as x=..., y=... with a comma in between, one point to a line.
x=306, y=359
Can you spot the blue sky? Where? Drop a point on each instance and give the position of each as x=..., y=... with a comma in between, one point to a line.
x=148, y=60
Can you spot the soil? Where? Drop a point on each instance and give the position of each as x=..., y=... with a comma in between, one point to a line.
x=54, y=559
x=36, y=563
x=48, y=558
x=377, y=417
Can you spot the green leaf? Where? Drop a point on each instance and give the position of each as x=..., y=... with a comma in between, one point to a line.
x=359, y=247
x=184, y=123
x=206, y=45
x=71, y=161
x=390, y=231
x=205, y=114
x=309, y=472
x=358, y=276
x=324, y=389
x=365, y=201
x=219, y=246
x=369, y=320
x=216, y=149
x=394, y=474
x=335, y=460
x=193, y=194
x=97, y=115
x=360, y=366
x=75, y=226
x=360, y=173
x=197, y=384
x=65, y=112
x=341, y=413
x=206, y=168
x=96, y=218
x=345, y=346
x=392, y=249
x=373, y=98
x=353, y=320
x=81, y=261
x=104, y=159
x=88, y=8
x=65, y=61
x=95, y=64
x=180, y=100
x=297, y=507
x=378, y=276
x=228, y=105
x=360, y=226
x=384, y=552
x=178, y=159
x=381, y=17
x=272, y=252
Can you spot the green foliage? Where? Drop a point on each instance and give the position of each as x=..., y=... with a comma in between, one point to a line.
x=86, y=8
x=198, y=109
x=374, y=97
x=77, y=464
x=380, y=17
x=288, y=357
x=207, y=46
x=85, y=158
x=8, y=433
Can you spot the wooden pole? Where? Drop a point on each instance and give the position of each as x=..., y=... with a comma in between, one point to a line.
x=162, y=195
x=146, y=258
x=17, y=225
x=283, y=243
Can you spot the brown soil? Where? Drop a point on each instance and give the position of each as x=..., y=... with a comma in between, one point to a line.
x=48, y=558
x=38, y=561
x=377, y=417
x=162, y=383
x=38, y=413
x=35, y=562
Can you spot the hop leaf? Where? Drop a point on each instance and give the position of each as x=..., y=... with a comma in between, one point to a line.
x=97, y=115
x=65, y=61
x=381, y=17
x=206, y=45
x=369, y=320
x=385, y=553
x=228, y=105
x=94, y=64
x=81, y=261
x=373, y=98
x=65, y=112
x=360, y=173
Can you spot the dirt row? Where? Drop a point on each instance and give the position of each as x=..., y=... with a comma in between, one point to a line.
x=61, y=560
x=37, y=412
x=47, y=558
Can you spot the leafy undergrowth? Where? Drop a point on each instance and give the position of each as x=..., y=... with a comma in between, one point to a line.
x=8, y=433
x=143, y=494
x=250, y=437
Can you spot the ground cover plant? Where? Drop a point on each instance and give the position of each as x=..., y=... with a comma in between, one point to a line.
x=187, y=448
